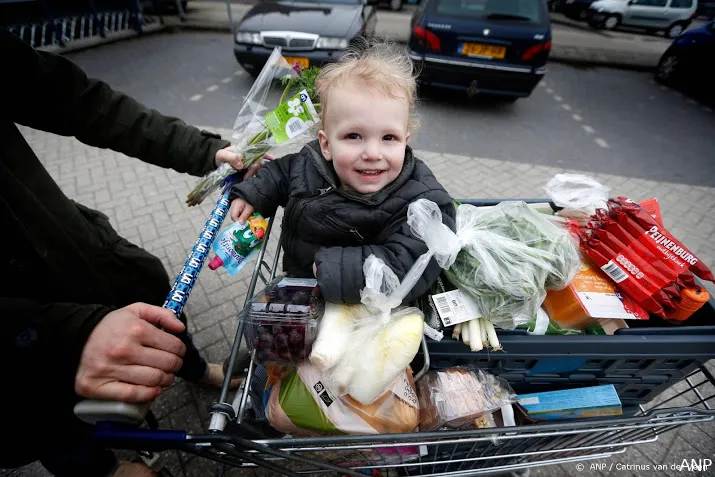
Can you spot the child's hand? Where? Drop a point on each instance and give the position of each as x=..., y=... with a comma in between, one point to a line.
x=240, y=211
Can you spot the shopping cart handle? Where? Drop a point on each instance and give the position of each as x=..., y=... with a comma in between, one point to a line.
x=93, y=411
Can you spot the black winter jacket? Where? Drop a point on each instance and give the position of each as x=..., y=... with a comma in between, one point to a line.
x=61, y=262
x=339, y=229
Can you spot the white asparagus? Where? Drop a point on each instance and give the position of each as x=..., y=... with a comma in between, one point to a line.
x=483, y=329
x=492, y=335
x=475, y=335
x=457, y=331
x=465, y=333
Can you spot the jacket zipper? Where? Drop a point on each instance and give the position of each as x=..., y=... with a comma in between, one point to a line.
x=345, y=228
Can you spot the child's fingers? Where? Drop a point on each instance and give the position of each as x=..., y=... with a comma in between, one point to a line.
x=237, y=207
x=252, y=170
x=247, y=211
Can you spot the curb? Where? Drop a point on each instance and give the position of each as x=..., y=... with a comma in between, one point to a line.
x=581, y=63
x=578, y=26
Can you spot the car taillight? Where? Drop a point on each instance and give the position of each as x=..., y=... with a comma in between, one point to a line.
x=427, y=38
x=536, y=49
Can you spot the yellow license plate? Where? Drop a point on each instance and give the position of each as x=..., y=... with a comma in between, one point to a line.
x=302, y=62
x=478, y=49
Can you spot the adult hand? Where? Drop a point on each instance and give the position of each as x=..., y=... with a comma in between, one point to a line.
x=128, y=358
x=226, y=155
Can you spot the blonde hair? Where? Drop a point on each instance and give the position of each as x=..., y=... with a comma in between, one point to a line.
x=378, y=63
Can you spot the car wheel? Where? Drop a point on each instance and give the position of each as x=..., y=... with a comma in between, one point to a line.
x=675, y=30
x=611, y=22
x=395, y=5
x=667, y=70
x=582, y=15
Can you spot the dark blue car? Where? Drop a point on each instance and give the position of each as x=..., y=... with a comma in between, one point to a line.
x=494, y=47
x=688, y=62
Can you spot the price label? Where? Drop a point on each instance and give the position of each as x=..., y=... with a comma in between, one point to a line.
x=455, y=307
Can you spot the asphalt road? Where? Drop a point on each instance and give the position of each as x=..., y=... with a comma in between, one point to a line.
x=597, y=120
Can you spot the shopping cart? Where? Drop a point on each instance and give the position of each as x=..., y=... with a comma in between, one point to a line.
x=238, y=435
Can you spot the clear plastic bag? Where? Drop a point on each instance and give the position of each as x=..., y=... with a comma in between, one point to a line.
x=504, y=257
x=363, y=348
x=579, y=195
x=253, y=135
x=456, y=398
x=299, y=403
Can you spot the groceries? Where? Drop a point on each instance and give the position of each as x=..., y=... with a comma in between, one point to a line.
x=362, y=348
x=300, y=403
x=282, y=320
x=578, y=195
x=542, y=324
x=641, y=257
x=592, y=401
x=238, y=243
x=456, y=398
x=341, y=369
x=478, y=333
x=589, y=296
x=504, y=257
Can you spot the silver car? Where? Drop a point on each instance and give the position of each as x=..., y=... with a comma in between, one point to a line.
x=670, y=16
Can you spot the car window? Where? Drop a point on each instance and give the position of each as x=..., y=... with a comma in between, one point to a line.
x=530, y=11
x=650, y=3
x=681, y=3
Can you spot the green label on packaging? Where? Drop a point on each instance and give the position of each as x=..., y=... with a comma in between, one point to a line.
x=292, y=118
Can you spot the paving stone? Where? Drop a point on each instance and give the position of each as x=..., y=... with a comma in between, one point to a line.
x=217, y=352
x=215, y=315
x=208, y=336
x=201, y=467
x=172, y=399
x=187, y=419
x=172, y=462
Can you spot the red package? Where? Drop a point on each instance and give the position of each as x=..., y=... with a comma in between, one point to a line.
x=638, y=232
x=610, y=225
x=662, y=242
x=651, y=206
x=639, y=264
x=592, y=248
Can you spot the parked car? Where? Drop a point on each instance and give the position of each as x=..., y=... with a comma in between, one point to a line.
x=671, y=16
x=574, y=9
x=686, y=64
x=495, y=47
x=309, y=32
x=706, y=9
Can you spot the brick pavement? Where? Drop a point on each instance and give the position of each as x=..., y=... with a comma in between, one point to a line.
x=146, y=205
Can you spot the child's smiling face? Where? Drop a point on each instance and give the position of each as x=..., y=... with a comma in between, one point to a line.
x=364, y=135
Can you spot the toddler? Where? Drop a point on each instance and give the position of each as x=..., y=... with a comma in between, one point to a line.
x=346, y=194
